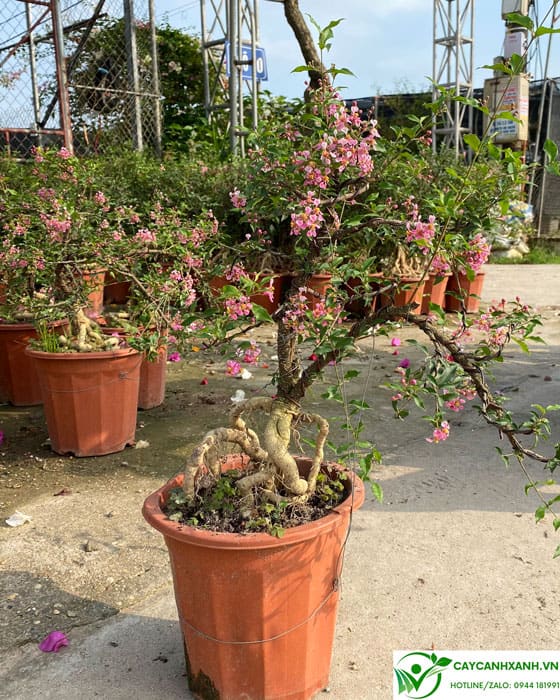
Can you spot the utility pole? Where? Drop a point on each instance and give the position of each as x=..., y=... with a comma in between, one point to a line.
x=453, y=67
x=231, y=61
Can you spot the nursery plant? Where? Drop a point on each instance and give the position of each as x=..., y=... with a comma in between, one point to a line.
x=62, y=232
x=325, y=193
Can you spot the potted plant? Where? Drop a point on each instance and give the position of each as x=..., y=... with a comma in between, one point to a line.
x=59, y=241
x=308, y=198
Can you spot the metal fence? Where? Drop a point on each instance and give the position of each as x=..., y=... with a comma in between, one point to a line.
x=79, y=73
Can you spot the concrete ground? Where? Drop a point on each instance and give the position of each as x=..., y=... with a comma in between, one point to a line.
x=451, y=560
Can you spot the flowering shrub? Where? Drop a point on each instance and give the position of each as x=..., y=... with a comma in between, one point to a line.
x=66, y=226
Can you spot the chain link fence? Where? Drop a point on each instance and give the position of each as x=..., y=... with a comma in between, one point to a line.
x=79, y=73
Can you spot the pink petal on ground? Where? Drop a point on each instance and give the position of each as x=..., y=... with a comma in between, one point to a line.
x=54, y=641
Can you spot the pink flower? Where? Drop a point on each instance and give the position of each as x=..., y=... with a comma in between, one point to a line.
x=174, y=357
x=237, y=308
x=54, y=641
x=237, y=199
x=395, y=342
x=233, y=368
x=404, y=363
x=455, y=404
x=440, y=434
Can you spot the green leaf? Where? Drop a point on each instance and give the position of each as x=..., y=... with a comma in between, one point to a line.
x=351, y=374
x=557, y=552
x=540, y=513
x=556, y=523
x=261, y=314
x=472, y=141
x=520, y=20
x=551, y=149
x=377, y=491
x=341, y=71
x=444, y=661
x=545, y=30
x=517, y=63
x=522, y=344
x=358, y=403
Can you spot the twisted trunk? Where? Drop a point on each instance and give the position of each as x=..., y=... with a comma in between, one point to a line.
x=295, y=19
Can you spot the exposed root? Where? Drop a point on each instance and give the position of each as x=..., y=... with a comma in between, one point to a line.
x=323, y=427
x=275, y=465
x=276, y=441
x=206, y=454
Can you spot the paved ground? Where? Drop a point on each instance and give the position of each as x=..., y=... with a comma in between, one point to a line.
x=452, y=559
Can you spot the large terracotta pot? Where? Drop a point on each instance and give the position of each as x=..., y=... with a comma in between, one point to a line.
x=270, y=301
x=115, y=291
x=357, y=304
x=463, y=292
x=19, y=383
x=320, y=284
x=95, y=281
x=89, y=399
x=151, y=392
x=434, y=291
x=257, y=612
x=153, y=374
x=409, y=291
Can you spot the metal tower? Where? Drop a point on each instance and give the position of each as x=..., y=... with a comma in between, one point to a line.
x=453, y=67
x=229, y=44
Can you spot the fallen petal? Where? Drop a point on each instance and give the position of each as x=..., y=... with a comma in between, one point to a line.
x=18, y=519
x=238, y=396
x=54, y=641
x=245, y=374
x=141, y=444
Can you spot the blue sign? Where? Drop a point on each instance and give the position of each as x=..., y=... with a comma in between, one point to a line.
x=246, y=58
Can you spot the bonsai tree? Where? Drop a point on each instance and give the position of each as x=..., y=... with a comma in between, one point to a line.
x=319, y=188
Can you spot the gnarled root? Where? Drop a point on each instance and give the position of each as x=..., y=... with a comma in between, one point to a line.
x=323, y=428
x=276, y=441
x=277, y=466
x=206, y=454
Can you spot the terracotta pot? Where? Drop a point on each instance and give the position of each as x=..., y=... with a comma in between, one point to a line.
x=151, y=392
x=320, y=284
x=409, y=291
x=95, y=281
x=461, y=291
x=356, y=304
x=257, y=612
x=89, y=399
x=19, y=383
x=115, y=291
x=153, y=374
x=271, y=301
x=434, y=291
x=264, y=300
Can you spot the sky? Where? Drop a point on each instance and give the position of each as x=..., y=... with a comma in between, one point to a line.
x=387, y=44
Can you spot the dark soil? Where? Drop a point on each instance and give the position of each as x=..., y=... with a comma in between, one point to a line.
x=220, y=507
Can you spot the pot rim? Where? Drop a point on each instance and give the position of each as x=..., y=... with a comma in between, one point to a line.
x=27, y=325
x=154, y=515
x=97, y=355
